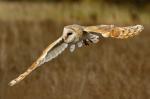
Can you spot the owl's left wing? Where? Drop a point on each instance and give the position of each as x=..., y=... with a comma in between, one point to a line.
x=115, y=31
x=52, y=51
x=94, y=33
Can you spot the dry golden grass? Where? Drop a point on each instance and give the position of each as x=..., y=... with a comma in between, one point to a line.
x=74, y=12
x=110, y=69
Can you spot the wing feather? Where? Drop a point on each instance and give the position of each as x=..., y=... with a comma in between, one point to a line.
x=114, y=31
x=52, y=51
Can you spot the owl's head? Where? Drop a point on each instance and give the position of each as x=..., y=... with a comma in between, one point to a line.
x=72, y=33
x=69, y=35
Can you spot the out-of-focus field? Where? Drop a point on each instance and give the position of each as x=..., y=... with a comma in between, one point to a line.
x=110, y=69
x=75, y=12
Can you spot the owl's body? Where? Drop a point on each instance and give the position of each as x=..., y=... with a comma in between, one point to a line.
x=76, y=36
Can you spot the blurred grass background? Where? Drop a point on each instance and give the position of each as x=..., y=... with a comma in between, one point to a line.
x=111, y=69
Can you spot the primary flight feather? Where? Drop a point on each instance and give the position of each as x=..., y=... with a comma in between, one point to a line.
x=76, y=35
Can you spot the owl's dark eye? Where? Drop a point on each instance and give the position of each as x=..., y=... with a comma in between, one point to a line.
x=70, y=33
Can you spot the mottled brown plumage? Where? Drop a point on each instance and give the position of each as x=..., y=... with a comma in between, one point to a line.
x=114, y=31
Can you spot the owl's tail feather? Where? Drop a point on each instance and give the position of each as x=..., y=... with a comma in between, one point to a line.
x=23, y=75
x=126, y=32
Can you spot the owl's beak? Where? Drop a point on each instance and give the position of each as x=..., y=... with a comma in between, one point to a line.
x=64, y=38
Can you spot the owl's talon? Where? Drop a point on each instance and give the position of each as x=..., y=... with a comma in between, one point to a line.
x=86, y=42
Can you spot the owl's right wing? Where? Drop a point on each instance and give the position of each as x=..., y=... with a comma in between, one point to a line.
x=52, y=51
x=114, y=31
x=94, y=33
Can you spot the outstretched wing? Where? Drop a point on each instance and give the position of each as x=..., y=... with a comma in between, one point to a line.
x=52, y=51
x=114, y=31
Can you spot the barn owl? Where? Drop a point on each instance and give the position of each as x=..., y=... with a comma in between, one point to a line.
x=76, y=36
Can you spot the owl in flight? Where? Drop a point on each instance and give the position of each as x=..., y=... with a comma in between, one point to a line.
x=76, y=36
